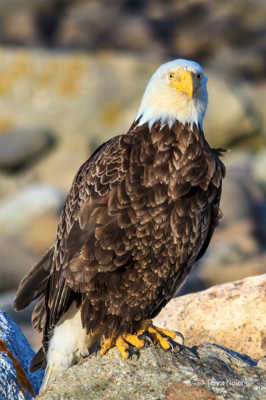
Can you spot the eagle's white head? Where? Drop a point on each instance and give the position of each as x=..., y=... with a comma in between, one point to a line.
x=176, y=91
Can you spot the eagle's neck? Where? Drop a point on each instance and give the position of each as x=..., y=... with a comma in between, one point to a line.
x=185, y=115
x=168, y=109
x=186, y=132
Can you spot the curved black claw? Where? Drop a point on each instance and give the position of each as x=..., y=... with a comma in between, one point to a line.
x=133, y=352
x=146, y=336
x=95, y=349
x=174, y=346
x=181, y=336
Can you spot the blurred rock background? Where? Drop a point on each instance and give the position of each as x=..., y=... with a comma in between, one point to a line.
x=72, y=74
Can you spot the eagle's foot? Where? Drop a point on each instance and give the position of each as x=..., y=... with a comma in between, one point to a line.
x=163, y=337
x=128, y=345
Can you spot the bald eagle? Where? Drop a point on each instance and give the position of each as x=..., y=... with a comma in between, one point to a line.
x=141, y=211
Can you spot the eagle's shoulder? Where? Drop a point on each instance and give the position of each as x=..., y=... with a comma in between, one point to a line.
x=104, y=169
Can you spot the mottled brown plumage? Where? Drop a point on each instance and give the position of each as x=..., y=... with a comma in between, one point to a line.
x=139, y=214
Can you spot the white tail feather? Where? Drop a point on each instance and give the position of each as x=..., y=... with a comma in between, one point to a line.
x=68, y=344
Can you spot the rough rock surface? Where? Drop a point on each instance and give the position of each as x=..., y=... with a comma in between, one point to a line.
x=16, y=382
x=205, y=372
x=232, y=315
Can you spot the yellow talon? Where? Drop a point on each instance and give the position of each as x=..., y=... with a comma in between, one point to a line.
x=163, y=341
x=158, y=335
x=106, y=346
x=134, y=340
x=122, y=347
x=166, y=332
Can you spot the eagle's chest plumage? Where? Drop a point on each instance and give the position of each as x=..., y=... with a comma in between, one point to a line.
x=170, y=194
x=169, y=187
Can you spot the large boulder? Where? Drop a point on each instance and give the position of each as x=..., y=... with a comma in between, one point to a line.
x=204, y=373
x=231, y=315
x=16, y=382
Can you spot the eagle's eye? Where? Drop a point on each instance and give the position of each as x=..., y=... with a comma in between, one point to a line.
x=171, y=75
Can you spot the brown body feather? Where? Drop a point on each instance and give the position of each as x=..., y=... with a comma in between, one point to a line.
x=139, y=214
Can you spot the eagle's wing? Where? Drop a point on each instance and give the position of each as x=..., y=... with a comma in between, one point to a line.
x=90, y=232
x=34, y=284
x=89, y=236
x=214, y=213
x=214, y=216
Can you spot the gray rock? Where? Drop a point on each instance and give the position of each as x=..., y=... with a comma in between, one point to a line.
x=36, y=199
x=19, y=148
x=215, y=371
x=236, y=63
x=16, y=382
x=231, y=116
x=235, y=201
x=240, y=189
x=235, y=262
x=257, y=94
x=15, y=262
x=242, y=195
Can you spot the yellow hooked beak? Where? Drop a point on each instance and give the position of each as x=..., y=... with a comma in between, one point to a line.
x=183, y=81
